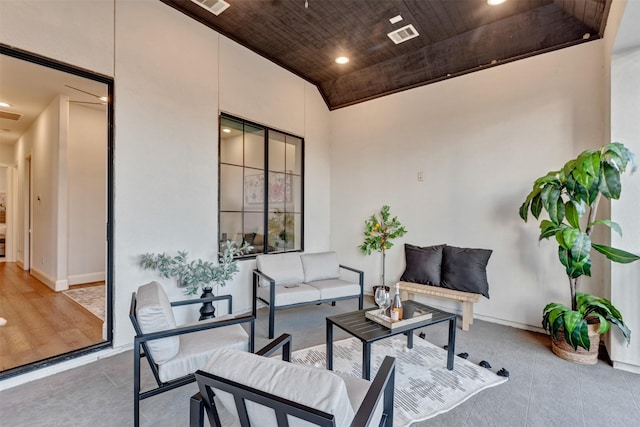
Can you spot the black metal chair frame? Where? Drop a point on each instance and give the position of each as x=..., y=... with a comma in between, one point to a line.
x=382, y=387
x=140, y=347
x=257, y=274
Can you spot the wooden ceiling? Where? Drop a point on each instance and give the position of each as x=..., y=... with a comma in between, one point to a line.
x=456, y=37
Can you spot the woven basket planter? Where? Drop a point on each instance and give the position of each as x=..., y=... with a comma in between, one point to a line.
x=582, y=356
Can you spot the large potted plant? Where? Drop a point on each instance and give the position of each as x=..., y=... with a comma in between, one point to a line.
x=195, y=274
x=570, y=197
x=379, y=231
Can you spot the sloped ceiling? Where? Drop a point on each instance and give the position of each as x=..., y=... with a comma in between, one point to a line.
x=455, y=37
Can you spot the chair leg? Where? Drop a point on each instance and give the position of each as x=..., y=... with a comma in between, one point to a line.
x=196, y=411
x=136, y=384
x=333, y=303
x=272, y=319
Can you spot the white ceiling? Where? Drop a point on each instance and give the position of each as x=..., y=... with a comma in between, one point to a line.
x=29, y=88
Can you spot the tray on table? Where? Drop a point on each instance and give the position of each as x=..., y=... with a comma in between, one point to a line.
x=411, y=315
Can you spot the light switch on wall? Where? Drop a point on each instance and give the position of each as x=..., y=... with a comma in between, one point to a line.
x=420, y=176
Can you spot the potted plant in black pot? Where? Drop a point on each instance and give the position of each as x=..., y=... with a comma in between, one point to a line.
x=571, y=197
x=194, y=274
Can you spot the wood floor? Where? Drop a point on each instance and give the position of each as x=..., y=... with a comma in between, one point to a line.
x=41, y=323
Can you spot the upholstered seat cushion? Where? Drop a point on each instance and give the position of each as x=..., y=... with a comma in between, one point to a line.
x=335, y=288
x=320, y=266
x=284, y=269
x=154, y=314
x=317, y=388
x=196, y=348
x=290, y=294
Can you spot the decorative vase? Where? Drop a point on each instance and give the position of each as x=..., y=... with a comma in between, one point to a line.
x=207, y=311
x=585, y=357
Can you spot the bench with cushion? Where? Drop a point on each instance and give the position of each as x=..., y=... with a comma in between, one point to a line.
x=294, y=279
x=446, y=272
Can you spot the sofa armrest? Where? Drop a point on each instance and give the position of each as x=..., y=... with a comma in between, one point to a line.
x=360, y=276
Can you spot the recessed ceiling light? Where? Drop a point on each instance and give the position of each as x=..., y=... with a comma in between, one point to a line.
x=395, y=19
x=342, y=59
x=4, y=104
x=495, y=2
x=226, y=130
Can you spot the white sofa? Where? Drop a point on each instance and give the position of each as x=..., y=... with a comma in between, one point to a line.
x=296, y=279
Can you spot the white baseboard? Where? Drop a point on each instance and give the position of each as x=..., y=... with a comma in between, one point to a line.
x=634, y=369
x=56, y=285
x=80, y=279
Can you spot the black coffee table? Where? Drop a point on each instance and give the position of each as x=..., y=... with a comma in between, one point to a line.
x=368, y=331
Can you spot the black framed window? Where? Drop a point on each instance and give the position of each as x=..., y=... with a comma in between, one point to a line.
x=261, y=187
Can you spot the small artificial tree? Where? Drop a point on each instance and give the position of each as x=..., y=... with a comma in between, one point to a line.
x=567, y=195
x=379, y=231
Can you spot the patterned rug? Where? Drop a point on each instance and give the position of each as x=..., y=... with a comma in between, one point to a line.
x=424, y=387
x=90, y=297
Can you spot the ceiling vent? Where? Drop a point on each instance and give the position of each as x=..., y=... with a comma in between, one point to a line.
x=9, y=116
x=403, y=34
x=214, y=6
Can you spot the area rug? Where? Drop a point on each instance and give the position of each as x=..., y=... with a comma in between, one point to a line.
x=90, y=297
x=424, y=387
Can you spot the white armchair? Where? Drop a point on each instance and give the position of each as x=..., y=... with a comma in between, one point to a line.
x=175, y=353
x=244, y=389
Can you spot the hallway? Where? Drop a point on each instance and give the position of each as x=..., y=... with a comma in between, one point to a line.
x=41, y=323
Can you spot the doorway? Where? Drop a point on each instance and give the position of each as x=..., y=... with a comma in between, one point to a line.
x=61, y=146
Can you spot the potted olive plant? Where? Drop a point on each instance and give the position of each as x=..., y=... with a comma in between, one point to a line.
x=570, y=197
x=379, y=231
x=194, y=274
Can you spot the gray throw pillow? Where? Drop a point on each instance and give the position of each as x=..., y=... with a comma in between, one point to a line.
x=465, y=269
x=423, y=264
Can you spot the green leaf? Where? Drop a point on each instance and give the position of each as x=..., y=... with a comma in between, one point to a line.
x=572, y=214
x=613, y=225
x=587, y=168
x=548, y=229
x=550, y=194
x=581, y=248
x=536, y=206
x=616, y=255
x=610, y=186
x=576, y=330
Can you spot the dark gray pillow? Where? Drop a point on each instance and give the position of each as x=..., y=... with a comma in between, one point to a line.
x=465, y=269
x=423, y=264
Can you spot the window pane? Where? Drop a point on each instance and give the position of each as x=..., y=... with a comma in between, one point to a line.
x=254, y=190
x=231, y=137
x=293, y=155
x=254, y=147
x=280, y=231
x=230, y=226
x=254, y=231
x=297, y=232
x=231, y=178
x=294, y=193
x=276, y=151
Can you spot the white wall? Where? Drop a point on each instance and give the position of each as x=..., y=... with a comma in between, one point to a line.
x=167, y=102
x=87, y=172
x=42, y=141
x=625, y=128
x=481, y=140
x=7, y=154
